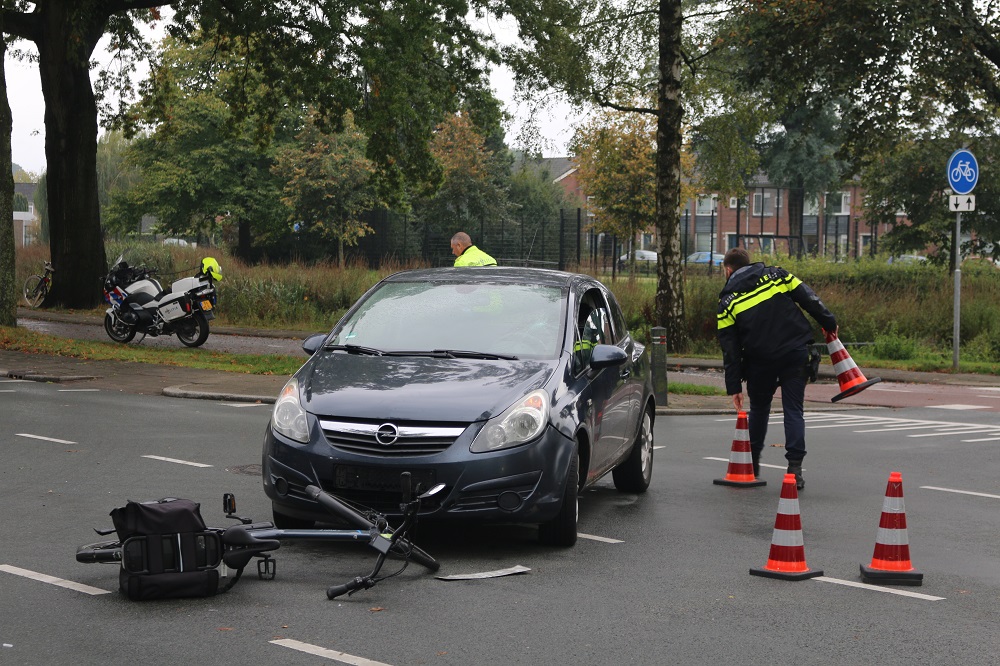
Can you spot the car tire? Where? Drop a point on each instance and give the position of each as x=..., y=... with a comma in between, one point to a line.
x=285, y=522
x=561, y=530
x=633, y=474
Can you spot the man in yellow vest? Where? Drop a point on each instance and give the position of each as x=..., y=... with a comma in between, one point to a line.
x=468, y=254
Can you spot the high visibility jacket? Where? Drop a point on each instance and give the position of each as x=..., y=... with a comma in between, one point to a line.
x=473, y=256
x=759, y=319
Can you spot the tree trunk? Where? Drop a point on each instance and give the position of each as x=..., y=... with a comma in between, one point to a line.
x=69, y=32
x=796, y=201
x=670, y=287
x=8, y=289
x=243, y=240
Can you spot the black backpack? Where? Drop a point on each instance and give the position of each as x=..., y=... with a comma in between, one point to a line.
x=167, y=552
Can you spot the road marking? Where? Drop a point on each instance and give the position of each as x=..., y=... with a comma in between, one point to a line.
x=52, y=580
x=983, y=439
x=7, y=391
x=960, y=492
x=878, y=588
x=984, y=388
x=598, y=538
x=317, y=651
x=179, y=462
x=245, y=404
x=47, y=439
x=77, y=390
x=971, y=431
x=992, y=397
x=659, y=447
x=957, y=407
x=890, y=390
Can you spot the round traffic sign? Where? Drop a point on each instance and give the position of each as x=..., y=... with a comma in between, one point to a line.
x=963, y=171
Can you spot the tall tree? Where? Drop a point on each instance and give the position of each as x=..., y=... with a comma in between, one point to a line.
x=8, y=290
x=329, y=184
x=615, y=152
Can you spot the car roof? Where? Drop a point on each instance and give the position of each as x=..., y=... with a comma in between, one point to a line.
x=502, y=274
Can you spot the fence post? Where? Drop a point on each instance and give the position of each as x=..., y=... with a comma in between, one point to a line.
x=658, y=364
x=562, y=240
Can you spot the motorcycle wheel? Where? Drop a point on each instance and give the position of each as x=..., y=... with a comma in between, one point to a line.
x=192, y=332
x=118, y=330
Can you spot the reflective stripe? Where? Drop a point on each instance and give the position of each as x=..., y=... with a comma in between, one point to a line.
x=743, y=458
x=789, y=507
x=892, y=537
x=844, y=366
x=787, y=538
x=893, y=505
x=767, y=289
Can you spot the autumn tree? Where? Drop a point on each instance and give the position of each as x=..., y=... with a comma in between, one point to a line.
x=615, y=154
x=329, y=184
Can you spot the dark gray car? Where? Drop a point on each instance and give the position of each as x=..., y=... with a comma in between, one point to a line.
x=514, y=387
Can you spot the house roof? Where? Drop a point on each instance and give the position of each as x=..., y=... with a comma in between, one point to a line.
x=556, y=167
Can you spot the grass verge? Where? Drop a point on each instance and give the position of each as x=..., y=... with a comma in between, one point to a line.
x=23, y=340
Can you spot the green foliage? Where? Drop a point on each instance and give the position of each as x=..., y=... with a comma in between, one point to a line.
x=892, y=346
x=20, y=203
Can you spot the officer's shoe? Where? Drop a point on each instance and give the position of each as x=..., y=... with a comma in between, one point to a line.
x=796, y=469
x=755, y=457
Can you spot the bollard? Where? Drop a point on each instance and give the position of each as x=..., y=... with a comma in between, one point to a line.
x=658, y=364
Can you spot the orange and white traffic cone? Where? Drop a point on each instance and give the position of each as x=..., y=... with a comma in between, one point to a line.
x=787, y=559
x=851, y=380
x=891, y=561
x=740, y=470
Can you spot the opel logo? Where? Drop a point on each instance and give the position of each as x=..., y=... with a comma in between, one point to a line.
x=387, y=434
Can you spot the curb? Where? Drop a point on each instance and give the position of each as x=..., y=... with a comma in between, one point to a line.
x=35, y=377
x=181, y=392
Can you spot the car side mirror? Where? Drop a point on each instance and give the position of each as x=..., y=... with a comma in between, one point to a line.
x=311, y=344
x=607, y=356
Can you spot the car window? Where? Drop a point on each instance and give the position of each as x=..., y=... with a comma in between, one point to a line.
x=593, y=328
x=526, y=321
x=617, y=319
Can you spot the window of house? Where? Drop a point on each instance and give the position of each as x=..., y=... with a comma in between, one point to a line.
x=705, y=205
x=838, y=203
x=763, y=203
x=810, y=205
x=767, y=243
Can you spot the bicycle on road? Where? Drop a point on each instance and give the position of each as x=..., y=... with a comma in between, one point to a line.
x=237, y=545
x=36, y=287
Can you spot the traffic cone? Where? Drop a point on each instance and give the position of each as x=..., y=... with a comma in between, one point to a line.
x=848, y=375
x=787, y=559
x=891, y=561
x=740, y=470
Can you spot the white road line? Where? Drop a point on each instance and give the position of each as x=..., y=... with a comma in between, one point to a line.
x=878, y=588
x=47, y=439
x=179, y=462
x=890, y=390
x=954, y=432
x=991, y=397
x=983, y=439
x=903, y=427
x=960, y=492
x=659, y=447
x=957, y=407
x=7, y=391
x=245, y=404
x=77, y=390
x=52, y=580
x=984, y=388
x=598, y=538
x=317, y=651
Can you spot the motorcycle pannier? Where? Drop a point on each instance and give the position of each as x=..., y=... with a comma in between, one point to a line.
x=167, y=553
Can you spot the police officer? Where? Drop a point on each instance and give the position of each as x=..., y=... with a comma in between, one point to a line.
x=765, y=341
x=468, y=254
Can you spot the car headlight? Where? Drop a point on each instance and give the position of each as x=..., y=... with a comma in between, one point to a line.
x=521, y=422
x=288, y=417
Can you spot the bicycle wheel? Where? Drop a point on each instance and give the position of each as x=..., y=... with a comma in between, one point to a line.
x=35, y=290
x=416, y=553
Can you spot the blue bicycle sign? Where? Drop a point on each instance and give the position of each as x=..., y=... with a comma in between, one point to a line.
x=963, y=171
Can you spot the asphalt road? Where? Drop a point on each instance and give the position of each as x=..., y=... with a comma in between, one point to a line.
x=673, y=587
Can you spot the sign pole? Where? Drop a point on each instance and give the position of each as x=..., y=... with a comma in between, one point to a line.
x=957, y=312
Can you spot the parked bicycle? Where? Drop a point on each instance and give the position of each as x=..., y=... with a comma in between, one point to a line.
x=36, y=287
x=168, y=557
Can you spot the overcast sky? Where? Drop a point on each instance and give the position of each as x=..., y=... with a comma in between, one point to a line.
x=28, y=108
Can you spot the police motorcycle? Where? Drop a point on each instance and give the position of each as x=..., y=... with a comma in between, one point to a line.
x=140, y=305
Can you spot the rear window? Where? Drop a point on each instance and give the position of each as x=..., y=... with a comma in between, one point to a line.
x=526, y=321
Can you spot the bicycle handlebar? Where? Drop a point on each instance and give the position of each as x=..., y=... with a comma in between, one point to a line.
x=335, y=591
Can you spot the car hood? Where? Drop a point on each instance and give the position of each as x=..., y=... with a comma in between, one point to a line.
x=416, y=388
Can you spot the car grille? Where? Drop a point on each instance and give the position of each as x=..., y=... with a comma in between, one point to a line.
x=390, y=440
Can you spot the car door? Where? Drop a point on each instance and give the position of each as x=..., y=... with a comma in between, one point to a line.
x=608, y=399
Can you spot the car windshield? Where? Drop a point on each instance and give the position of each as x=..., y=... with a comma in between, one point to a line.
x=519, y=320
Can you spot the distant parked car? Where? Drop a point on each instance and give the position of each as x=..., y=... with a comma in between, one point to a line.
x=702, y=258
x=907, y=259
x=644, y=260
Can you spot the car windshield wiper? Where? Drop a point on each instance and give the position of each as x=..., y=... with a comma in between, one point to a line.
x=356, y=349
x=454, y=353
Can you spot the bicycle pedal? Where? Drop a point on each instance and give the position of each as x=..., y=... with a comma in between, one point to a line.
x=266, y=568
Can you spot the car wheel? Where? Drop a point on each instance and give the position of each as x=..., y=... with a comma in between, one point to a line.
x=284, y=522
x=633, y=474
x=561, y=530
